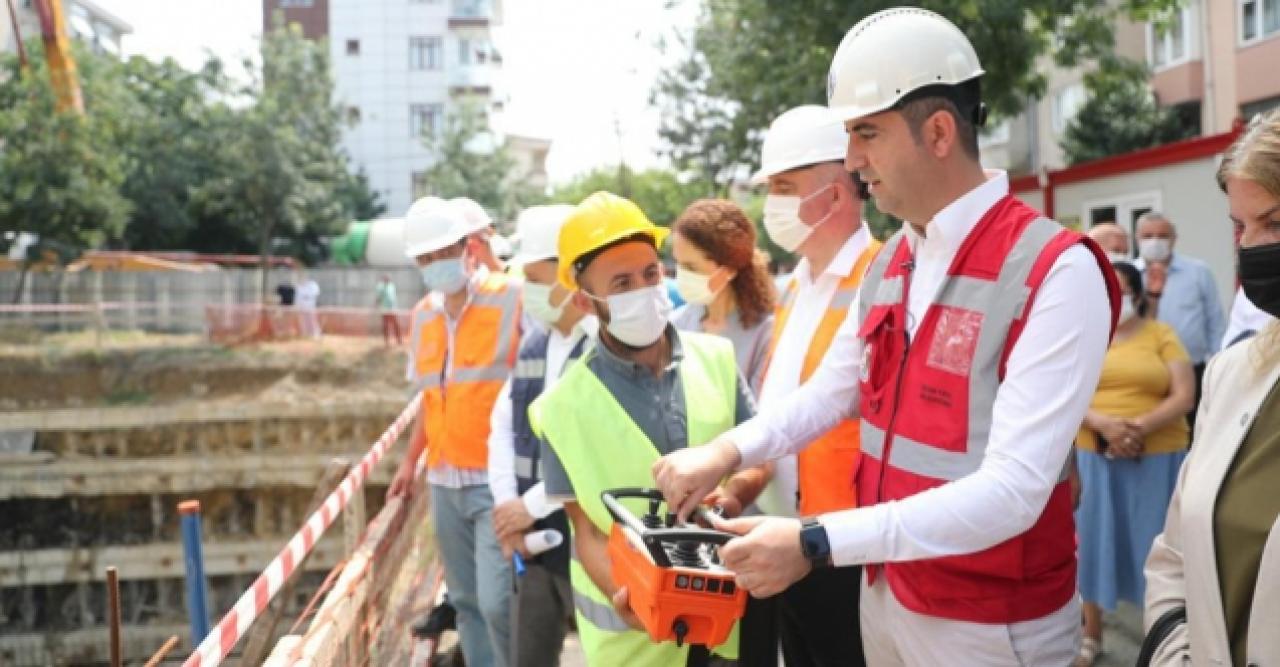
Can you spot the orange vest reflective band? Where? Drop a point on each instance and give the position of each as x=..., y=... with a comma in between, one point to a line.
x=827, y=466
x=457, y=398
x=926, y=407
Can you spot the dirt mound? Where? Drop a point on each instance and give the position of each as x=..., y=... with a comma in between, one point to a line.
x=159, y=370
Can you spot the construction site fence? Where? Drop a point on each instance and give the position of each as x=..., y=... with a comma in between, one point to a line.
x=174, y=302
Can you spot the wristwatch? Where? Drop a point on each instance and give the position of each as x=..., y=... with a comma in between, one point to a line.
x=814, y=543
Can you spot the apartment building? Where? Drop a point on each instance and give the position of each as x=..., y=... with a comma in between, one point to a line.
x=87, y=22
x=1213, y=61
x=400, y=66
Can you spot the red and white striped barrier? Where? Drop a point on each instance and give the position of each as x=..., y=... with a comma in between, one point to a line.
x=254, y=601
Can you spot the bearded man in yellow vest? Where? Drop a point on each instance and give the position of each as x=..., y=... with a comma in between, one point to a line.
x=814, y=209
x=465, y=335
x=641, y=391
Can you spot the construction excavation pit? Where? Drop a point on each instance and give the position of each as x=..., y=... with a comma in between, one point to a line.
x=100, y=443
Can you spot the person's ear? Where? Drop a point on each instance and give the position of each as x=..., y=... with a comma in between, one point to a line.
x=940, y=133
x=582, y=302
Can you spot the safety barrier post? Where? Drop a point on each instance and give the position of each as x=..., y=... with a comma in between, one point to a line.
x=193, y=558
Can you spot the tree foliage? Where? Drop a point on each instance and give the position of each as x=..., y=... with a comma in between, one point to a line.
x=60, y=173
x=470, y=161
x=750, y=60
x=1120, y=116
x=659, y=193
x=166, y=158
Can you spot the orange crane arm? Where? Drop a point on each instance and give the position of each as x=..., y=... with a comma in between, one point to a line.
x=57, y=51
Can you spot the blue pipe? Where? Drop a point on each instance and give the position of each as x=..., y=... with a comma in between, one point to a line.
x=193, y=559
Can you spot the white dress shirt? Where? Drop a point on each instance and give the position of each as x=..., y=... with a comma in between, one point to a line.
x=502, y=453
x=1051, y=375
x=1244, y=317
x=810, y=304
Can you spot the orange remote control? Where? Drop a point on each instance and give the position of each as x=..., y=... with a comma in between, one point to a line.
x=677, y=585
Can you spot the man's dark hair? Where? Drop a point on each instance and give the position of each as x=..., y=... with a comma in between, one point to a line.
x=963, y=102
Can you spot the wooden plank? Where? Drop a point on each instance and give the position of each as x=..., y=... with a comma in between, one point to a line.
x=151, y=561
x=97, y=419
x=186, y=474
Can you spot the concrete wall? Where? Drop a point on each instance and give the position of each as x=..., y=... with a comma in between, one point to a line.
x=171, y=301
x=1186, y=192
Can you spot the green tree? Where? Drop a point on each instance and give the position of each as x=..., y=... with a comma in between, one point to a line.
x=60, y=173
x=170, y=134
x=279, y=164
x=659, y=193
x=750, y=60
x=1120, y=116
x=360, y=200
x=469, y=161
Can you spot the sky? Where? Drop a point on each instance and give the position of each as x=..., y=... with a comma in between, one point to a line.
x=577, y=72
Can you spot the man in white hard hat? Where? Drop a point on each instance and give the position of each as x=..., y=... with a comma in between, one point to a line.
x=479, y=230
x=814, y=209
x=465, y=334
x=544, y=598
x=978, y=339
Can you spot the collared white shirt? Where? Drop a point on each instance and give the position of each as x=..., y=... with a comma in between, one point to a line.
x=1052, y=372
x=502, y=453
x=1244, y=317
x=812, y=299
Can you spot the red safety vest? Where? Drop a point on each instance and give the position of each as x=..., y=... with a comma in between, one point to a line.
x=926, y=406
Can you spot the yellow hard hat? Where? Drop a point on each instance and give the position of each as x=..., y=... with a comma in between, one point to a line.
x=600, y=220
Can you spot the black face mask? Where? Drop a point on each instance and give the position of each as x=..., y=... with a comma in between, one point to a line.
x=1260, y=276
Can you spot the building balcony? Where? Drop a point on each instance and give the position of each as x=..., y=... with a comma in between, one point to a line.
x=470, y=13
x=476, y=79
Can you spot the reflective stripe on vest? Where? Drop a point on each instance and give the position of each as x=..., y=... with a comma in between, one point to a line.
x=926, y=406
x=996, y=303
x=601, y=448
x=461, y=377
x=826, y=467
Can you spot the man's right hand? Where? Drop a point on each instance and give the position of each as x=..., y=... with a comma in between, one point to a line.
x=689, y=475
x=401, y=484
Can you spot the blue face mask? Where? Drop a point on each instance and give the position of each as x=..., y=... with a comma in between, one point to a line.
x=447, y=276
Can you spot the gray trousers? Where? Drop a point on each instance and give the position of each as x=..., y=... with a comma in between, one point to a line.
x=542, y=609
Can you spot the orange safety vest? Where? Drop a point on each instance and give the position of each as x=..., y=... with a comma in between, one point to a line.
x=827, y=466
x=458, y=394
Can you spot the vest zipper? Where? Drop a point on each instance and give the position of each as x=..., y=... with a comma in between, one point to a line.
x=908, y=266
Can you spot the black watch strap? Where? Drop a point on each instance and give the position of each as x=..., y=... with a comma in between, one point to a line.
x=814, y=543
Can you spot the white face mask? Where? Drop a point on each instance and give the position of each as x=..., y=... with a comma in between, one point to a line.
x=1155, y=249
x=696, y=287
x=638, y=318
x=536, y=299
x=1117, y=257
x=782, y=220
x=1127, y=309
x=447, y=276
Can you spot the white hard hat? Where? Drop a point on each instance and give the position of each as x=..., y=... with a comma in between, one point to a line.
x=431, y=224
x=800, y=137
x=476, y=218
x=539, y=230
x=501, y=247
x=893, y=53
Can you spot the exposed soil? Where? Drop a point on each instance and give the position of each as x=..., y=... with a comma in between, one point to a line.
x=69, y=371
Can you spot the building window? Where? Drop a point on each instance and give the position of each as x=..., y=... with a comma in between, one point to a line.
x=424, y=53
x=418, y=185
x=425, y=118
x=1169, y=45
x=353, y=115
x=1259, y=19
x=1066, y=104
x=353, y=47
x=296, y=3
x=464, y=52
